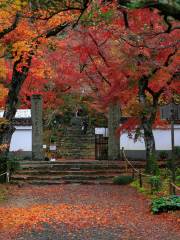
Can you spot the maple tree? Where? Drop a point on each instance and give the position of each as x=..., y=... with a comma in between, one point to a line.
x=34, y=23
x=118, y=59
x=156, y=71
x=133, y=61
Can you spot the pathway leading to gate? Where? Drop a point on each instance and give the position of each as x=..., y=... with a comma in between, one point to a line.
x=82, y=212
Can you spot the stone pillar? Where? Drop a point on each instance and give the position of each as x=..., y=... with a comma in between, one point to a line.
x=37, y=127
x=114, y=116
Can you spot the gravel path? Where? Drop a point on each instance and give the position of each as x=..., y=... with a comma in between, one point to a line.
x=82, y=212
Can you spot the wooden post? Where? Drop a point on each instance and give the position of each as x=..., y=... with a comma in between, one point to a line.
x=151, y=188
x=7, y=177
x=126, y=166
x=133, y=173
x=173, y=153
x=170, y=187
x=140, y=179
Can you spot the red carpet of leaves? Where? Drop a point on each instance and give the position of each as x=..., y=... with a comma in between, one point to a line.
x=83, y=208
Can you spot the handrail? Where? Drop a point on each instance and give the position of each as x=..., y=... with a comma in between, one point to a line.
x=3, y=174
x=178, y=188
x=136, y=170
x=143, y=174
x=7, y=176
x=128, y=161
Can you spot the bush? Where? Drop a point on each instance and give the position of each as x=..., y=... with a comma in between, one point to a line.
x=156, y=183
x=164, y=204
x=8, y=163
x=13, y=164
x=122, y=180
x=177, y=152
x=178, y=171
x=163, y=155
x=165, y=173
x=152, y=166
x=53, y=139
x=178, y=179
x=135, y=184
x=3, y=168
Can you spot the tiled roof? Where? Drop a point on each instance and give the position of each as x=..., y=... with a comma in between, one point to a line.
x=21, y=113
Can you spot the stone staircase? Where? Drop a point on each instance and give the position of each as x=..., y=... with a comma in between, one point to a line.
x=76, y=144
x=70, y=171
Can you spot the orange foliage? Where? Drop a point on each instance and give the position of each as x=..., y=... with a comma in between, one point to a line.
x=3, y=94
x=79, y=207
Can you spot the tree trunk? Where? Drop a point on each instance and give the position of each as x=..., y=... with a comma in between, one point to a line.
x=149, y=143
x=114, y=116
x=167, y=7
x=18, y=78
x=148, y=116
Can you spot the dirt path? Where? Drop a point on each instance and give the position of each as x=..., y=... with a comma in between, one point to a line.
x=80, y=212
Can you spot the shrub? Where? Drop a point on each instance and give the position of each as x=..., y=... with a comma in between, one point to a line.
x=178, y=179
x=156, y=183
x=165, y=173
x=170, y=163
x=152, y=166
x=8, y=163
x=122, y=180
x=53, y=139
x=3, y=193
x=164, y=204
x=177, y=152
x=13, y=164
x=3, y=168
x=135, y=184
x=163, y=155
x=178, y=171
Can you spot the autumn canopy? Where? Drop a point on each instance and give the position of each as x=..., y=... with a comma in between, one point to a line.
x=115, y=52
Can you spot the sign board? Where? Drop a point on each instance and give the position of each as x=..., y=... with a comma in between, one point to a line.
x=52, y=148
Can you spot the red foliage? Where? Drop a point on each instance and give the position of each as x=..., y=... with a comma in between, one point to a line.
x=78, y=207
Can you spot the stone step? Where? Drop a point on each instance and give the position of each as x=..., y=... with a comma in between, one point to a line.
x=78, y=129
x=72, y=172
x=82, y=154
x=74, y=161
x=77, y=146
x=76, y=156
x=70, y=167
x=77, y=134
x=83, y=165
x=18, y=177
x=49, y=182
x=78, y=137
x=65, y=165
x=84, y=161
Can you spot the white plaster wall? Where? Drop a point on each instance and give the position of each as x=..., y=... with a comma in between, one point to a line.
x=22, y=139
x=162, y=139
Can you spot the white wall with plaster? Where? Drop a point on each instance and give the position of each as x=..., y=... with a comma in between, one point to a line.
x=162, y=139
x=21, y=139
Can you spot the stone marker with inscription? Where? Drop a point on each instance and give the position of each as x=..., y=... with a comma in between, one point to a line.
x=37, y=127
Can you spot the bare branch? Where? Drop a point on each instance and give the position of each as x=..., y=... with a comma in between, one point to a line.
x=99, y=51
